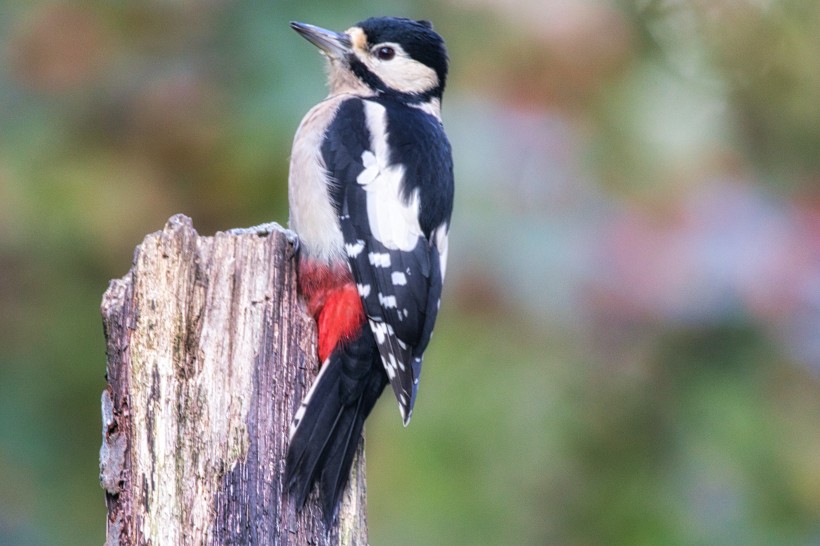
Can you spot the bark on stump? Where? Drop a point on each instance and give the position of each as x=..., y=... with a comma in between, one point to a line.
x=209, y=354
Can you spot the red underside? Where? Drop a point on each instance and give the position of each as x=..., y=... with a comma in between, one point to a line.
x=332, y=299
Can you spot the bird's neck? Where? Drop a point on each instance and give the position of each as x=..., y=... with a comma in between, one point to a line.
x=342, y=81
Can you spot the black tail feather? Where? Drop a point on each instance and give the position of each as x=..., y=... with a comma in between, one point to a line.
x=341, y=452
x=308, y=447
x=326, y=438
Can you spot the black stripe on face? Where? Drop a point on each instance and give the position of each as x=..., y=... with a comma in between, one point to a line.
x=375, y=83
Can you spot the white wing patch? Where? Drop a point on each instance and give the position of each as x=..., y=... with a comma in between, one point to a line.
x=393, y=221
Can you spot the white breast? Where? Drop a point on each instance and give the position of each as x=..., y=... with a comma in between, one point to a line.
x=311, y=213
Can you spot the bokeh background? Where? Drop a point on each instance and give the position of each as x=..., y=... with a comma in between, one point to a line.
x=629, y=346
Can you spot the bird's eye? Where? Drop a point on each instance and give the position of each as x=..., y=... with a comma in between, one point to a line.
x=385, y=53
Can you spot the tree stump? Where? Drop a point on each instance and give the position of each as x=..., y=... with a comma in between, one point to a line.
x=208, y=356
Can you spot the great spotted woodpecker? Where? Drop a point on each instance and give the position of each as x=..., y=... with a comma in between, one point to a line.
x=370, y=194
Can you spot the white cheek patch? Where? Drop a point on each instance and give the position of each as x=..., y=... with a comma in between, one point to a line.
x=407, y=75
x=401, y=72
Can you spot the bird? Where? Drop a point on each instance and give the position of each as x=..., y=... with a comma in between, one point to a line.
x=370, y=194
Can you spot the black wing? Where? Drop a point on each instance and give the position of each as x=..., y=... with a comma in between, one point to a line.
x=386, y=161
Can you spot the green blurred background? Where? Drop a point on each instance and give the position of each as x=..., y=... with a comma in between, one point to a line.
x=629, y=346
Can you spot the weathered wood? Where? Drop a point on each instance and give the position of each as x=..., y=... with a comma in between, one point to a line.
x=209, y=354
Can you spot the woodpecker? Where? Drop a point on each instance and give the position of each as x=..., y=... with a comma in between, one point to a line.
x=370, y=195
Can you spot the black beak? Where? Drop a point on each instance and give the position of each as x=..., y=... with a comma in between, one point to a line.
x=332, y=44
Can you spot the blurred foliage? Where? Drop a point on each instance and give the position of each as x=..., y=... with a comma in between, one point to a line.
x=628, y=351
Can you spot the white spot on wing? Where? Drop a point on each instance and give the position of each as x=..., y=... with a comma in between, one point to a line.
x=393, y=363
x=379, y=259
x=355, y=249
x=391, y=370
x=398, y=278
x=379, y=330
x=388, y=302
x=364, y=289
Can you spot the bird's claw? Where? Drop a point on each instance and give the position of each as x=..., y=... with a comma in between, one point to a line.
x=263, y=230
x=293, y=239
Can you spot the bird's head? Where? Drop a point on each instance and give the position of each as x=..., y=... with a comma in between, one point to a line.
x=387, y=56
